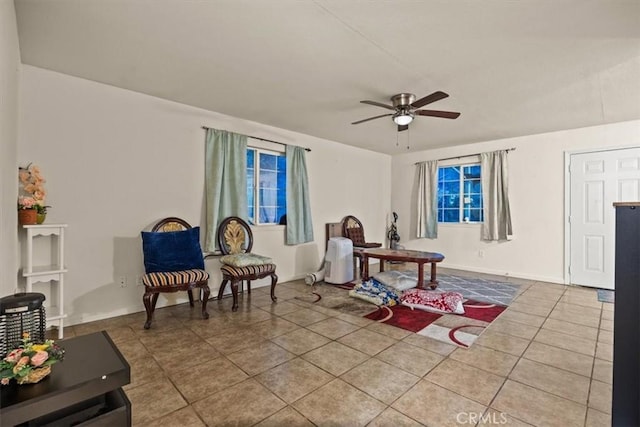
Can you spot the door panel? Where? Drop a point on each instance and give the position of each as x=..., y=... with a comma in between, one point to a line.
x=597, y=180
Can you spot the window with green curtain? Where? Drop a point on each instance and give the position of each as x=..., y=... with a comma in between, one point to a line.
x=266, y=186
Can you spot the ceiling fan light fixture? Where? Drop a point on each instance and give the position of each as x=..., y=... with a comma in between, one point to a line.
x=402, y=118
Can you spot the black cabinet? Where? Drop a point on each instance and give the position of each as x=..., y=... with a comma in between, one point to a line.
x=626, y=335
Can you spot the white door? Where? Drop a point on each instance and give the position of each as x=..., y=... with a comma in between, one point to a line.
x=599, y=179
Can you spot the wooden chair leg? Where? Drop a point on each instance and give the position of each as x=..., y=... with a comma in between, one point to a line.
x=190, y=293
x=205, y=297
x=154, y=301
x=249, y=287
x=148, y=305
x=274, y=280
x=222, y=286
x=234, y=291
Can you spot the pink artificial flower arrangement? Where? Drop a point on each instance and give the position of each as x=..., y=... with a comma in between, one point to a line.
x=33, y=194
x=21, y=362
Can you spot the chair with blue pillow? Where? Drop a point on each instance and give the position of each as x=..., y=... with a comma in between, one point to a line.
x=235, y=240
x=173, y=261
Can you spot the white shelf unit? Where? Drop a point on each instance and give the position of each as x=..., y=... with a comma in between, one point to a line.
x=47, y=273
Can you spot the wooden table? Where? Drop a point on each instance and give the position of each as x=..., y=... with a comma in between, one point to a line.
x=404, y=255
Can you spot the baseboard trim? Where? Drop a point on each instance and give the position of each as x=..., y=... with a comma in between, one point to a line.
x=555, y=280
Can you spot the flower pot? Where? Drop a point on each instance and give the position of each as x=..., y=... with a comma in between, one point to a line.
x=27, y=216
x=41, y=218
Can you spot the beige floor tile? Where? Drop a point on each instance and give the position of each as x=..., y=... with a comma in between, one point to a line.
x=281, y=307
x=274, y=327
x=230, y=406
x=552, y=380
x=606, y=325
x=388, y=330
x=600, y=396
x=538, y=407
x=605, y=337
x=503, y=342
x=300, y=341
x=410, y=358
x=603, y=371
x=466, y=380
x=143, y=371
x=285, y=417
x=305, y=317
x=608, y=307
x=333, y=405
x=260, y=357
x=235, y=339
x=519, y=317
x=541, y=299
x=367, y=341
x=356, y=320
x=335, y=358
x=597, y=419
x=294, y=379
x=444, y=407
x=179, y=336
x=515, y=329
x=133, y=349
x=154, y=400
x=198, y=384
x=528, y=308
x=430, y=344
x=380, y=380
x=173, y=357
x=606, y=315
x=576, y=314
x=333, y=328
x=185, y=417
x=390, y=417
x=490, y=360
x=496, y=418
x=572, y=329
x=604, y=351
x=566, y=341
x=586, y=301
x=559, y=358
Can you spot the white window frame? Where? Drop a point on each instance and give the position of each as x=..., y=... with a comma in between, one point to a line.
x=461, y=194
x=257, y=202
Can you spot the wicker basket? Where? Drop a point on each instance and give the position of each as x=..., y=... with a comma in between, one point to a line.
x=35, y=375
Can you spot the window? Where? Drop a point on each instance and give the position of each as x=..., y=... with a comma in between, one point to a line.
x=266, y=186
x=459, y=194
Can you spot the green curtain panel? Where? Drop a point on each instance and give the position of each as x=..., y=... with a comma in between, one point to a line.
x=226, y=180
x=427, y=199
x=299, y=225
x=495, y=195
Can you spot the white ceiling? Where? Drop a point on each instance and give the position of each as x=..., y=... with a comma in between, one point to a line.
x=510, y=67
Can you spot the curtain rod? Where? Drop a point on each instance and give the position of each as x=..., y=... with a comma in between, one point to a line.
x=262, y=139
x=468, y=155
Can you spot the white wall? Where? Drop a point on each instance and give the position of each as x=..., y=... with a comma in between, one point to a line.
x=536, y=191
x=9, y=84
x=116, y=161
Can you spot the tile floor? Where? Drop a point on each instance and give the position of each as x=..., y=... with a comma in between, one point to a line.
x=546, y=361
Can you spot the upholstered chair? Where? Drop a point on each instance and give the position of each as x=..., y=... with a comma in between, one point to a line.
x=173, y=262
x=235, y=240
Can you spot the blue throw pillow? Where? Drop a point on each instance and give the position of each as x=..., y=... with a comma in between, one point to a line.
x=172, y=250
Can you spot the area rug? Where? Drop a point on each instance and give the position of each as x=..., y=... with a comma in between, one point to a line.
x=475, y=288
x=461, y=330
x=606, y=295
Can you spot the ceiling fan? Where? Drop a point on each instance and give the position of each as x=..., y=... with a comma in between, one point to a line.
x=406, y=108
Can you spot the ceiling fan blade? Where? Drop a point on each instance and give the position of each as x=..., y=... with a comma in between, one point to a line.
x=435, y=113
x=371, y=118
x=379, y=104
x=435, y=96
x=403, y=127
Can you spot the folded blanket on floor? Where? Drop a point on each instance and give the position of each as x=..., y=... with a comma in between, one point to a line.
x=435, y=301
x=375, y=292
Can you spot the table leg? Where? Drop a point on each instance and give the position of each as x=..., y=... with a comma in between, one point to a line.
x=433, y=283
x=365, y=267
x=420, y=284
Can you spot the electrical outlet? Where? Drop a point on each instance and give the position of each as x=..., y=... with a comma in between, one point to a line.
x=139, y=281
x=480, y=254
x=122, y=280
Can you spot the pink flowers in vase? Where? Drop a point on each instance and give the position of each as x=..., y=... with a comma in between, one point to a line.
x=32, y=190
